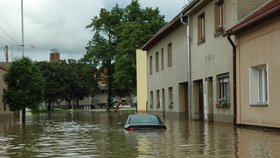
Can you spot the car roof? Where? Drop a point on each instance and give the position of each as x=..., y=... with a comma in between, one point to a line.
x=144, y=118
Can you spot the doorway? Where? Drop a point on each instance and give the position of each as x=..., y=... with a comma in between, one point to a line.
x=198, y=100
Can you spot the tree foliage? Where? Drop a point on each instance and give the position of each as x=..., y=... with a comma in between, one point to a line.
x=67, y=81
x=55, y=75
x=137, y=27
x=117, y=35
x=25, y=85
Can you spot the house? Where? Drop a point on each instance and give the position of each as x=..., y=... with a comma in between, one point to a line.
x=167, y=70
x=257, y=39
x=4, y=109
x=190, y=62
x=141, y=67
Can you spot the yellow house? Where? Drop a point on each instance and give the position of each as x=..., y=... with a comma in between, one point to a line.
x=257, y=39
x=142, y=97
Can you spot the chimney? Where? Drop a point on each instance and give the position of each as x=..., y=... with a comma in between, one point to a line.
x=54, y=56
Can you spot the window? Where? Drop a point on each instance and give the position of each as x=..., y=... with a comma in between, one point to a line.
x=169, y=54
x=219, y=16
x=170, y=95
x=224, y=92
x=158, y=101
x=151, y=99
x=201, y=28
x=162, y=58
x=259, y=84
x=157, y=62
x=151, y=64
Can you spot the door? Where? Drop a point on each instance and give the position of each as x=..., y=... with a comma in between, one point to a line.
x=200, y=100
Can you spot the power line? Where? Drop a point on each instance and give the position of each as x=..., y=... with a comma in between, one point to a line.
x=8, y=35
x=5, y=39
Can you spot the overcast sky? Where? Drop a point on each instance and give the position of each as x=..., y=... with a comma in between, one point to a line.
x=60, y=24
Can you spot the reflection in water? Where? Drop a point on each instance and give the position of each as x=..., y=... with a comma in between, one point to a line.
x=97, y=134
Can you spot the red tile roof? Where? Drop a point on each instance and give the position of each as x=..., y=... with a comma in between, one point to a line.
x=264, y=13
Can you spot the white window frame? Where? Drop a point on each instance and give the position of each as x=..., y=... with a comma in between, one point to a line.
x=224, y=88
x=258, y=84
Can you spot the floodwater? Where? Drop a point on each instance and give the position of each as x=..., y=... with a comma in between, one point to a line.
x=97, y=134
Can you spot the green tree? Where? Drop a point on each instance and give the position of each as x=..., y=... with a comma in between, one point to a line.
x=67, y=81
x=25, y=86
x=55, y=75
x=101, y=49
x=137, y=27
x=82, y=83
x=117, y=35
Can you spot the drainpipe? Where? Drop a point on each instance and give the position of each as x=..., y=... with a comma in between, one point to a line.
x=234, y=78
x=188, y=24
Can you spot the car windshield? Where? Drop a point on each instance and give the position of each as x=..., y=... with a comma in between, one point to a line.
x=142, y=119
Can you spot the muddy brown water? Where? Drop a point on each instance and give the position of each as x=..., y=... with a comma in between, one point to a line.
x=97, y=134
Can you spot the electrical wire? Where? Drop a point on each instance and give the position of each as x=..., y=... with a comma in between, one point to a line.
x=9, y=35
x=5, y=39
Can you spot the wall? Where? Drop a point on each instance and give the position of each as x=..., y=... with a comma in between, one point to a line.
x=142, y=96
x=212, y=58
x=245, y=7
x=2, y=87
x=257, y=46
x=170, y=76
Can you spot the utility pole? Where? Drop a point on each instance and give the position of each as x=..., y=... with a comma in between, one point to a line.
x=22, y=31
x=6, y=53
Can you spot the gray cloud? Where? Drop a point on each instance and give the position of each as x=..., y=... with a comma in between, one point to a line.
x=60, y=24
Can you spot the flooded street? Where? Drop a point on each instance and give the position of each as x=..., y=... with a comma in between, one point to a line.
x=97, y=134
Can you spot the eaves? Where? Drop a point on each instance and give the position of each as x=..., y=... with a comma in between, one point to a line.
x=259, y=16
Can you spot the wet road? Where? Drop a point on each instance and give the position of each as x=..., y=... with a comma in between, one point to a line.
x=97, y=134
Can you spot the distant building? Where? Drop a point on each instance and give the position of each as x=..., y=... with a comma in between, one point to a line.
x=54, y=56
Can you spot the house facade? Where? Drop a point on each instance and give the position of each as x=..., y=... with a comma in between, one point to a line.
x=258, y=50
x=194, y=76
x=167, y=70
x=141, y=67
x=4, y=109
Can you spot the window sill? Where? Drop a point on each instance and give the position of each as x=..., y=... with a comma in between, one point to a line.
x=219, y=31
x=259, y=105
x=223, y=106
x=201, y=41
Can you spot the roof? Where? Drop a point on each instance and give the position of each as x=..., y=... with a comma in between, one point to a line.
x=262, y=14
x=168, y=28
x=162, y=33
x=2, y=67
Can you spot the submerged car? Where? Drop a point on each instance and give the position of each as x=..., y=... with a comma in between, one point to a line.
x=143, y=122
